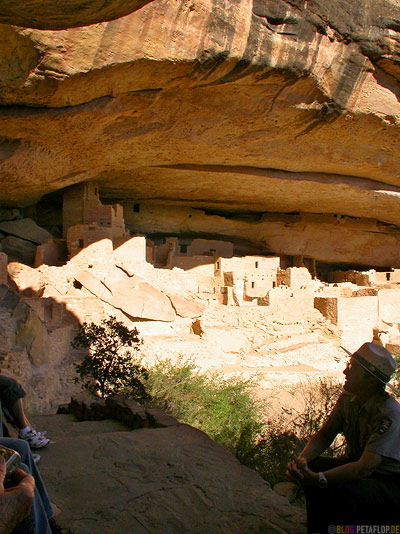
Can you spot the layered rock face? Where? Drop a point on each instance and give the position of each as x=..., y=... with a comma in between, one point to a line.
x=60, y=14
x=263, y=107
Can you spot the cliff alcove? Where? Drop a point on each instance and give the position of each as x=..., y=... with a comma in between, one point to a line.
x=259, y=137
x=270, y=125
x=267, y=107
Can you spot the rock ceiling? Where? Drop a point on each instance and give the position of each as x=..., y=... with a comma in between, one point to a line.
x=267, y=106
x=61, y=14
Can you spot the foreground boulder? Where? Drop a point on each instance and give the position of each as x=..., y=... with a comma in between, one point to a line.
x=164, y=481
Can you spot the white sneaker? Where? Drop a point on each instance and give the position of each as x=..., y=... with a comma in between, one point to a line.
x=36, y=458
x=35, y=439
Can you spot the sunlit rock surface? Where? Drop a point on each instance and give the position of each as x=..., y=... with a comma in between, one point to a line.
x=271, y=107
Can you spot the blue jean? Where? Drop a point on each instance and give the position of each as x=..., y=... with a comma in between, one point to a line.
x=37, y=521
x=367, y=501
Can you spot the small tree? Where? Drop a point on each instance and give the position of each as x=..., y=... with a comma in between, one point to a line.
x=107, y=368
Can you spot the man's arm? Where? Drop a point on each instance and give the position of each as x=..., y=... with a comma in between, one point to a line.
x=15, y=502
x=317, y=445
x=368, y=462
x=319, y=442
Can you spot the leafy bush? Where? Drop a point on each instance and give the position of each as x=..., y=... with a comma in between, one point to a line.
x=227, y=410
x=106, y=368
x=224, y=408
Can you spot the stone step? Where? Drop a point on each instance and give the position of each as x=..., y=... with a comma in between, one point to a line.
x=291, y=377
x=287, y=342
x=322, y=356
x=61, y=426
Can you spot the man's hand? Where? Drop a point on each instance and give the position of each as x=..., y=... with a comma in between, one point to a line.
x=298, y=471
x=15, y=502
x=296, y=468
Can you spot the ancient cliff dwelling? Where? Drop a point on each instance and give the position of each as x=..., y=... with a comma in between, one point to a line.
x=249, y=165
x=222, y=175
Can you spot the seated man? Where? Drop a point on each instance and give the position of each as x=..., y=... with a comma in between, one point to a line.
x=363, y=488
x=11, y=395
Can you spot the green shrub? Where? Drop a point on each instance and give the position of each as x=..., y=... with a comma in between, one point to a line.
x=106, y=368
x=224, y=408
x=227, y=410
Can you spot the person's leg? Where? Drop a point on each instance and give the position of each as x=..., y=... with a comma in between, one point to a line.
x=11, y=395
x=359, y=502
x=318, y=504
x=18, y=415
x=37, y=521
x=365, y=501
x=24, y=451
x=324, y=463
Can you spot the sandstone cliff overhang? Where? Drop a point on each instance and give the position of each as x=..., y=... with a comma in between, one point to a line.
x=261, y=107
x=61, y=14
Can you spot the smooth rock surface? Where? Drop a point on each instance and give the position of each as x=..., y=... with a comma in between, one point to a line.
x=132, y=295
x=163, y=481
x=185, y=306
x=28, y=281
x=289, y=490
x=18, y=249
x=26, y=229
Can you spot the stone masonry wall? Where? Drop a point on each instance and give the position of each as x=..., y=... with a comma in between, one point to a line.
x=389, y=305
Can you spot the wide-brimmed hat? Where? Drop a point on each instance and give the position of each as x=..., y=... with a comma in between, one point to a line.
x=376, y=360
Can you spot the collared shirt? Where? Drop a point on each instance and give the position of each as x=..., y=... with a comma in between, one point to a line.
x=373, y=426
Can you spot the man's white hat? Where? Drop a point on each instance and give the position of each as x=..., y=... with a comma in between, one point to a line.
x=376, y=360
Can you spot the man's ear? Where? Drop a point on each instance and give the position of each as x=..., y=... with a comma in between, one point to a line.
x=372, y=381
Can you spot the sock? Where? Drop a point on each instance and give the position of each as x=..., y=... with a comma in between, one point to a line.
x=24, y=431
